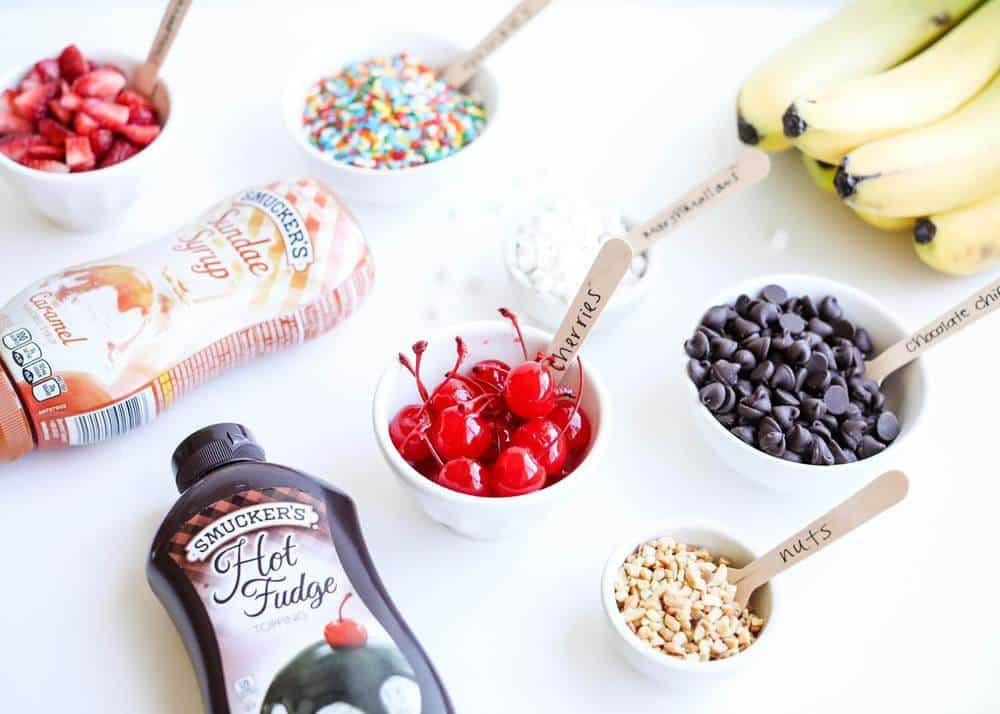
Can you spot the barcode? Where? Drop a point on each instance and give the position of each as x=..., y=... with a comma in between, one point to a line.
x=112, y=421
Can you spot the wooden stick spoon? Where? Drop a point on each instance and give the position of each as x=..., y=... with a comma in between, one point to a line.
x=878, y=496
x=461, y=71
x=144, y=76
x=616, y=253
x=912, y=346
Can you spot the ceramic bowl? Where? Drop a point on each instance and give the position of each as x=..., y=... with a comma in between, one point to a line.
x=548, y=310
x=670, y=670
x=906, y=395
x=90, y=199
x=406, y=186
x=473, y=516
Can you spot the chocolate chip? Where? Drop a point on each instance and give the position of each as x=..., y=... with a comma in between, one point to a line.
x=831, y=422
x=818, y=427
x=823, y=329
x=743, y=328
x=799, y=439
x=783, y=377
x=878, y=401
x=801, y=375
x=774, y=294
x=852, y=430
x=783, y=396
x=887, y=426
x=843, y=328
x=791, y=456
x=839, y=455
x=722, y=348
x=785, y=416
x=727, y=420
x=863, y=340
x=820, y=454
x=792, y=323
x=729, y=403
x=798, y=352
x=766, y=426
x=744, y=388
x=759, y=347
x=697, y=346
x=818, y=382
x=712, y=396
x=745, y=359
x=742, y=304
x=782, y=342
x=763, y=371
x=773, y=443
x=747, y=412
x=716, y=317
x=829, y=309
x=763, y=313
x=813, y=408
x=725, y=372
x=698, y=370
x=744, y=433
x=817, y=362
x=812, y=339
x=807, y=308
x=708, y=332
x=836, y=399
x=869, y=446
x=761, y=399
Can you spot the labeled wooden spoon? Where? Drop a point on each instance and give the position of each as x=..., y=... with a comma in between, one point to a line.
x=144, y=77
x=616, y=253
x=461, y=71
x=884, y=492
x=915, y=344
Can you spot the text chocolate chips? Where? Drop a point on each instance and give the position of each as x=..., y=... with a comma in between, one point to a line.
x=787, y=377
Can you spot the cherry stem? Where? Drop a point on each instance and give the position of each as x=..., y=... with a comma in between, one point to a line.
x=418, y=349
x=463, y=352
x=579, y=397
x=517, y=328
x=340, y=612
x=483, y=384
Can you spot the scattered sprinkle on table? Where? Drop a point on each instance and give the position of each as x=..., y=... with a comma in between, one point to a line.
x=390, y=113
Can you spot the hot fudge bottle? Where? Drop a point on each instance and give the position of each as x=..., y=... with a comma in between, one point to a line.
x=267, y=577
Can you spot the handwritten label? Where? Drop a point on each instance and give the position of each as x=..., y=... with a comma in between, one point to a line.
x=815, y=536
x=980, y=303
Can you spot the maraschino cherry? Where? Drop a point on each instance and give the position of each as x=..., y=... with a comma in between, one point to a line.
x=545, y=441
x=570, y=417
x=465, y=476
x=407, y=433
x=516, y=472
x=345, y=634
x=529, y=389
x=455, y=389
x=462, y=431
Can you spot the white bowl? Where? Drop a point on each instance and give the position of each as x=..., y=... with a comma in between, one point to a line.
x=474, y=516
x=665, y=668
x=906, y=395
x=548, y=310
x=388, y=186
x=89, y=199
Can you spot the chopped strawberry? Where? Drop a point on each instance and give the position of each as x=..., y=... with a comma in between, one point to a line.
x=12, y=124
x=56, y=109
x=101, y=83
x=140, y=135
x=16, y=147
x=133, y=99
x=56, y=167
x=48, y=69
x=31, y=103
x=54, y=132
x=68, y=99
x=39, y=148
x=113, y=116
x=100, y=141
x=72, y=63
x=119, y=151
x=141, y=116
x=83, y=124
x=7, y=100
x=79, y=154
x=112, y=67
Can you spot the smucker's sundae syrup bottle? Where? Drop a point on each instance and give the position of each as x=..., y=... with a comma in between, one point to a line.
x=267, y=577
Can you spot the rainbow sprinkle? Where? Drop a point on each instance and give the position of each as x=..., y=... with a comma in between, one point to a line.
x=390, y=113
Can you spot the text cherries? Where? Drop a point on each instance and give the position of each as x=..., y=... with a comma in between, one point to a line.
x=495, y=429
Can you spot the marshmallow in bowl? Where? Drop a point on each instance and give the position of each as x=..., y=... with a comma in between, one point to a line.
x=555, y=245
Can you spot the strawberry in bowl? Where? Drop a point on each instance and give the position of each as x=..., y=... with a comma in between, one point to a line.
x=69, y=114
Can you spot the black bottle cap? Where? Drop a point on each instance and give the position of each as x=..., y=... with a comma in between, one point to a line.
x=209, y=448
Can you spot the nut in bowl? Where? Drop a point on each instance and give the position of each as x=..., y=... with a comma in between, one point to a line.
x=348, y=161
x=802, y=418
x=683, y=634
x=511, y=495
x=75, y=141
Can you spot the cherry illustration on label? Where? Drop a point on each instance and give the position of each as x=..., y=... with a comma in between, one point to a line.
x=345, y=634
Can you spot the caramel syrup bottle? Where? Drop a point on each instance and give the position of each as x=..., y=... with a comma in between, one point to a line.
x=267, y=577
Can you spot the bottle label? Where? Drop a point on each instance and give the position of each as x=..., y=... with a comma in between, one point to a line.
x=100, y=349
x=293, y=635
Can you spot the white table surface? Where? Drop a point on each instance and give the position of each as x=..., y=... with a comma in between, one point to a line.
x=899, y=617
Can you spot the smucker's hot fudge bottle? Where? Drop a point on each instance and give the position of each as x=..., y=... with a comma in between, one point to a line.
x=99, y=349
x=266, y=574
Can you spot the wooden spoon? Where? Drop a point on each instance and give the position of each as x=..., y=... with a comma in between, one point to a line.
x=913, y=345
x=882, y=493
x=616, y=253
x=144, y=77
x=461, y=71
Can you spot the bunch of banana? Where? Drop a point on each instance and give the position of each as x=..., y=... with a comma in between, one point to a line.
x=895, y=105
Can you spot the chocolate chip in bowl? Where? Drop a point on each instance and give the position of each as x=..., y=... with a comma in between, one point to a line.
x=776, y=366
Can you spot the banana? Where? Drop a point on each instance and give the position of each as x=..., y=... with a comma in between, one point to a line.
x=866, y=37
x=936, y=168
x=831, y=146
x=821, y=173
x=963, y=241
x=930, y=86
x=885, y=223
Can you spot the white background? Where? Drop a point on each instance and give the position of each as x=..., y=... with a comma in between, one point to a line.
x=631, y=101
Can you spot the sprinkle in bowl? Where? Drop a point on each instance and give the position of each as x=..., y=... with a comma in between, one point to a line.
x=400, y=186
x=475, y=516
